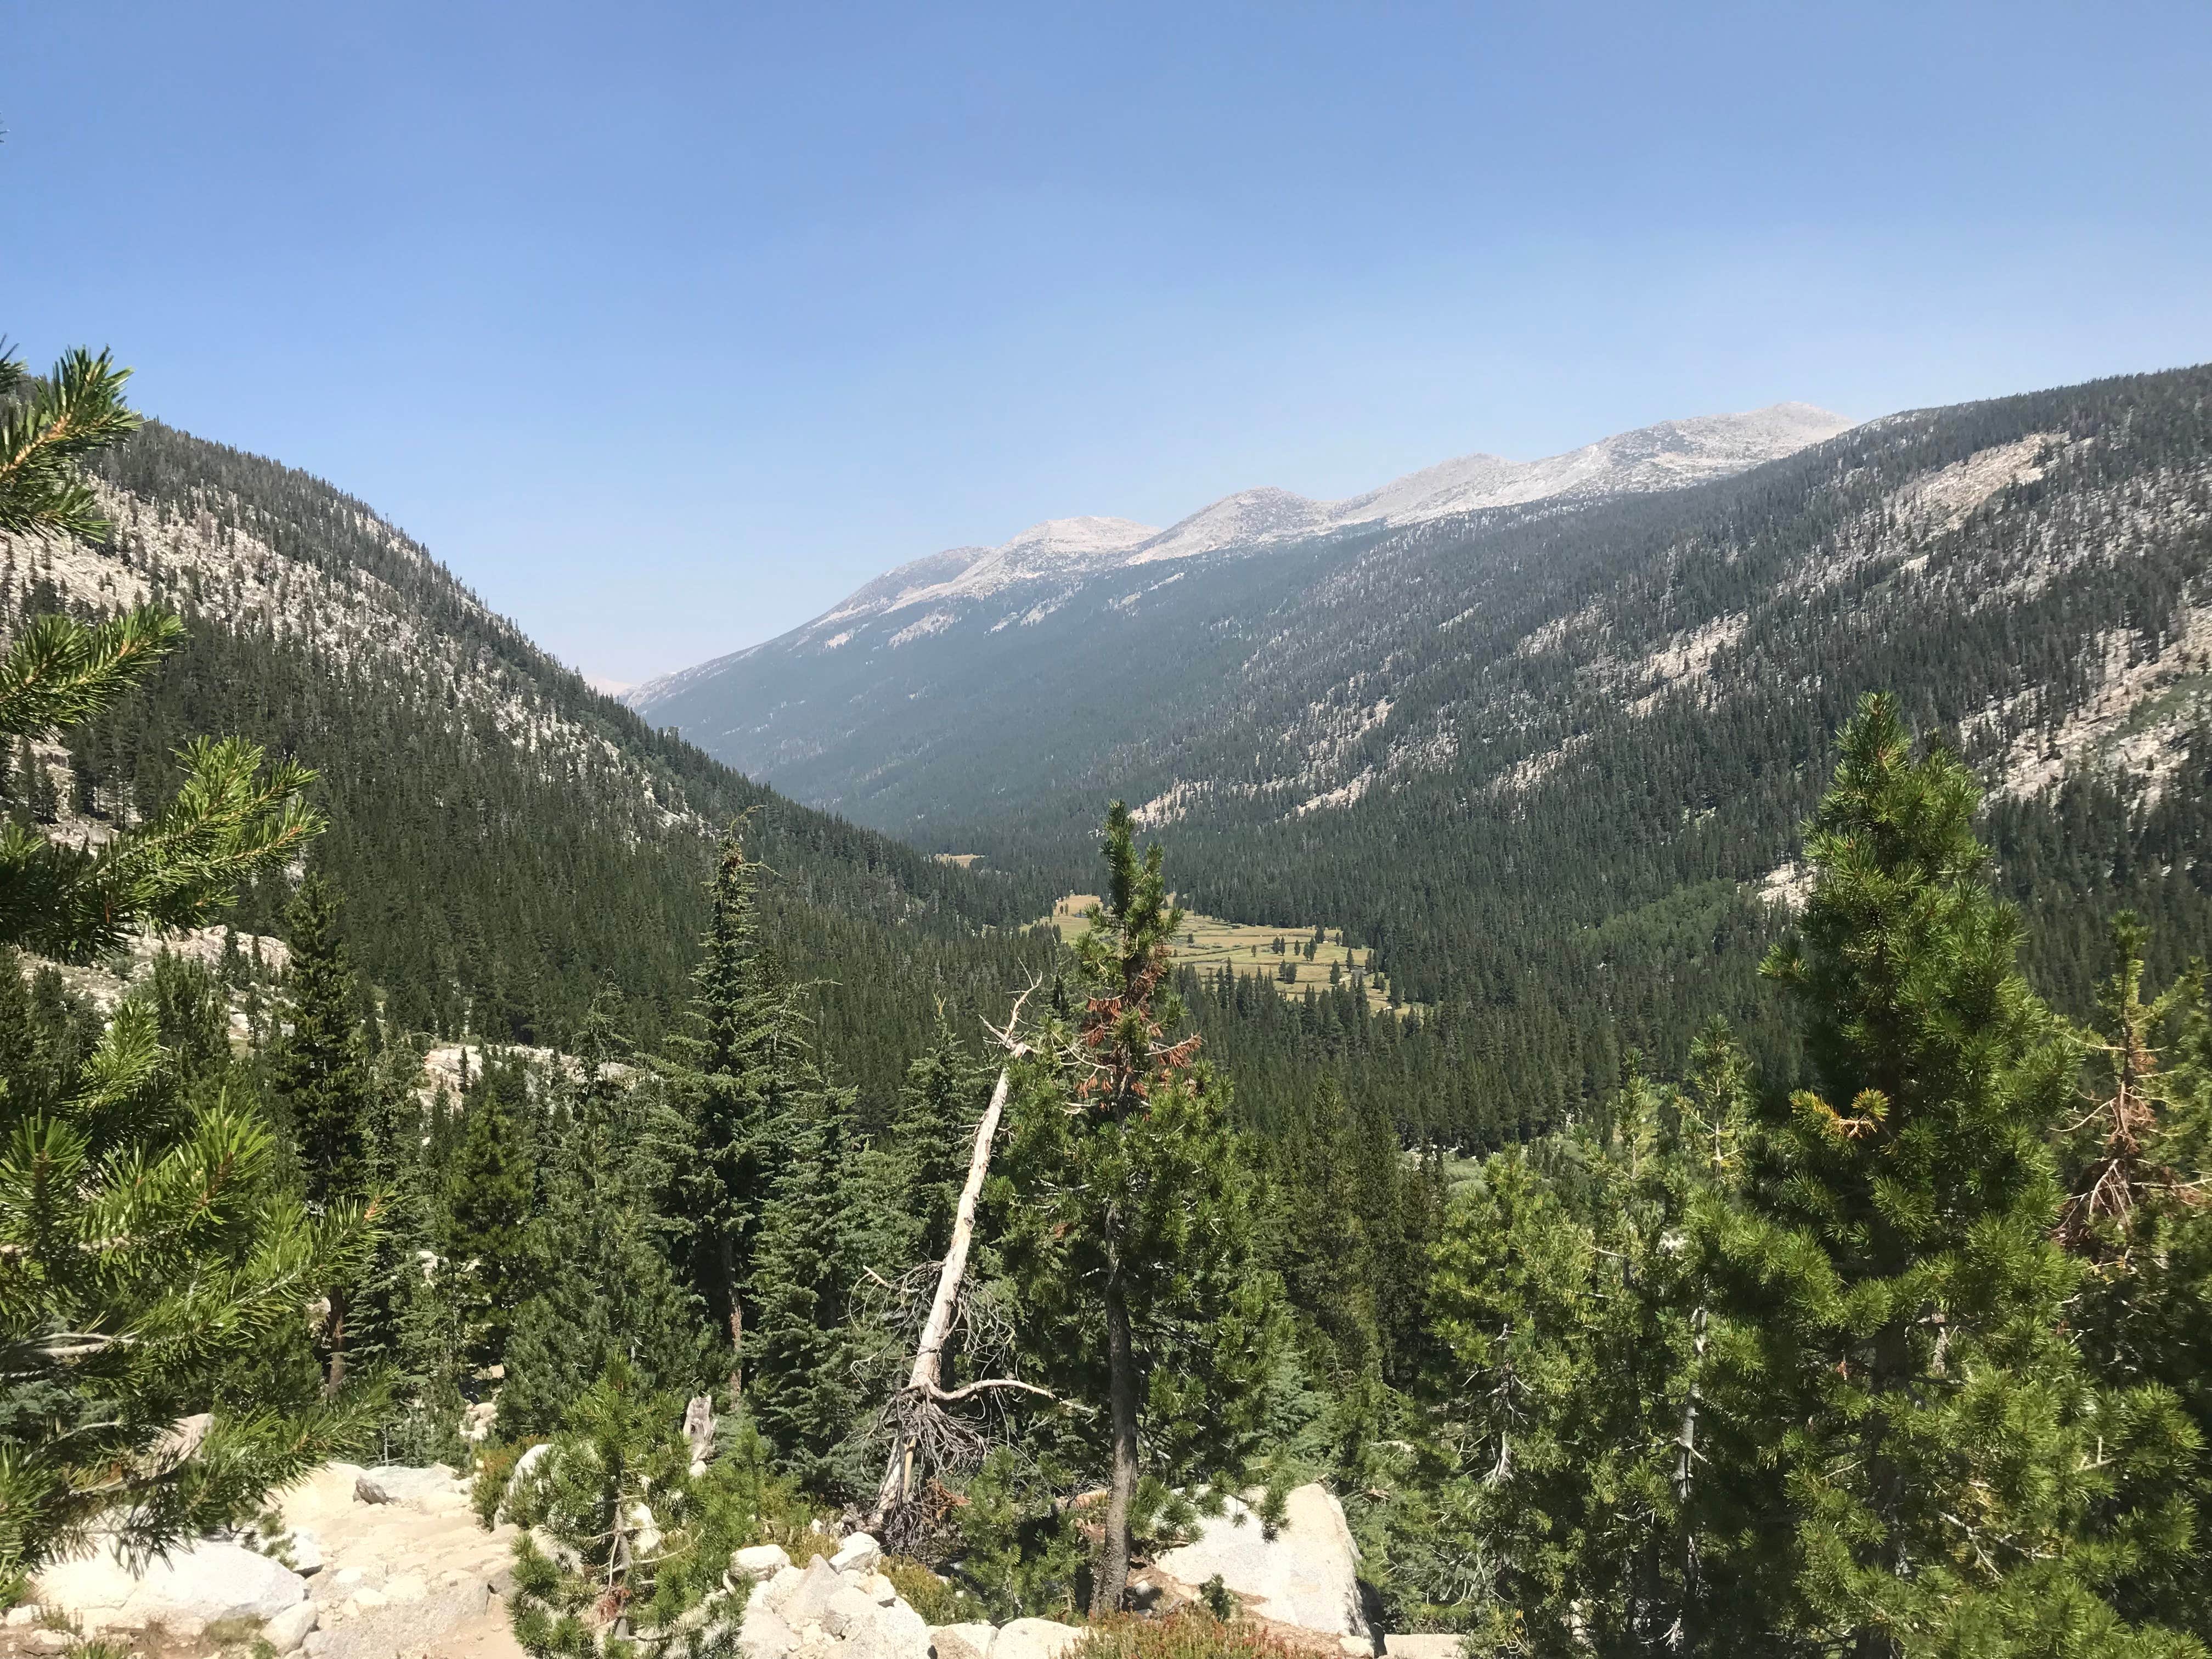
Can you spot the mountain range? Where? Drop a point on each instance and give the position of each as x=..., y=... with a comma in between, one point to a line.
x=1662, y=457
x=1518, y=731
x=1542, y=758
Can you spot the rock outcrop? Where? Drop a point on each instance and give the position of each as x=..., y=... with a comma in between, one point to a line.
x=389, y=1563
x=826, y=1611
x=212, y=1581
x=1306, y=1575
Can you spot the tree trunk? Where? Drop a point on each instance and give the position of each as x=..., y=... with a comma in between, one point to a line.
x=1686, y=1453
x=737, y=1324
x=1112, y=1579
x=928, y=1354
x=334, y=1333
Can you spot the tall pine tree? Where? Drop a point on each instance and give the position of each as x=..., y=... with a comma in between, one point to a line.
x=725, y=1070
x=1133, y=1240
x=1910, y=1455
x=318, y=1069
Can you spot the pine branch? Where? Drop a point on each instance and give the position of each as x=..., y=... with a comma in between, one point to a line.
x=76, y=409
x=229, y=824
x=61, y=672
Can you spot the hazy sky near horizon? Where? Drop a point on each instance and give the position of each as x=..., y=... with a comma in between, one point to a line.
x=666, y=325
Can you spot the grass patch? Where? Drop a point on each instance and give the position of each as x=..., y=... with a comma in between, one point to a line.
x=1249, y=949
x=936, y=1601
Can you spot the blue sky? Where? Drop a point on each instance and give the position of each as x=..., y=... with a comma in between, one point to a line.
x=666, y=325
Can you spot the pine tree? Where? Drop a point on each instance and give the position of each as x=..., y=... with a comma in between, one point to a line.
x=1329, y=1265
x=933, y=1132
x=1909, y=1457
x=607, y=1290
x=802, y=1386
x=150, y=1260
x=625, y=1547
x=489, y=1193
x=613, y=1488
x=193, y=1016
x=2138, y=1162
x=318, y=1069
x=724, y=1070
x=230, y=821
x=1134, y=1239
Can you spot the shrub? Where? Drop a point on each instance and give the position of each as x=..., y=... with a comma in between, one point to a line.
x=936, y=1601
x=1189, y=1635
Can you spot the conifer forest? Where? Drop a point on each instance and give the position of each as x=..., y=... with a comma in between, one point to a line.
x=1768, y=1213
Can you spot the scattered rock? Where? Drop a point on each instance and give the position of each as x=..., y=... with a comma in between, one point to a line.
x=972, y=1641
x=1036, y=1638
x=415, y=1575
x=858, y=1554
x=49, y=1641
x=806, y=1603
x=210, y=1581
x=759, y=1561
x=1306, y=1575
x=289, y=1629
x=820, y=1613
x=366, y=1491
x=765, y=1634
x=26, y=1615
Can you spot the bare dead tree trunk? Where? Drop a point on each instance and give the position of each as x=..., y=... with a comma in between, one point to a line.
x=1112, y=1580
x=926, y=1377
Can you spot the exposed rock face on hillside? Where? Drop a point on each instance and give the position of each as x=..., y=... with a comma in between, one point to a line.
x=365, y=616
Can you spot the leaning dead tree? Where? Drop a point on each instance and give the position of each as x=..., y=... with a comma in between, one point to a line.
x=924, y=1434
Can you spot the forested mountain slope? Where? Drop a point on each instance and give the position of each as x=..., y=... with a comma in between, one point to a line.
x=510, y=841
x=1549, y=760
x=1001, y=668
x=1480, y=736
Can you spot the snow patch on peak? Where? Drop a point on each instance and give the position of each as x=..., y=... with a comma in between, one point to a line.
x=1057, y=547
x=1667, y=456
x=1250, y=515
x=1075, y=539
x=897, y=588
